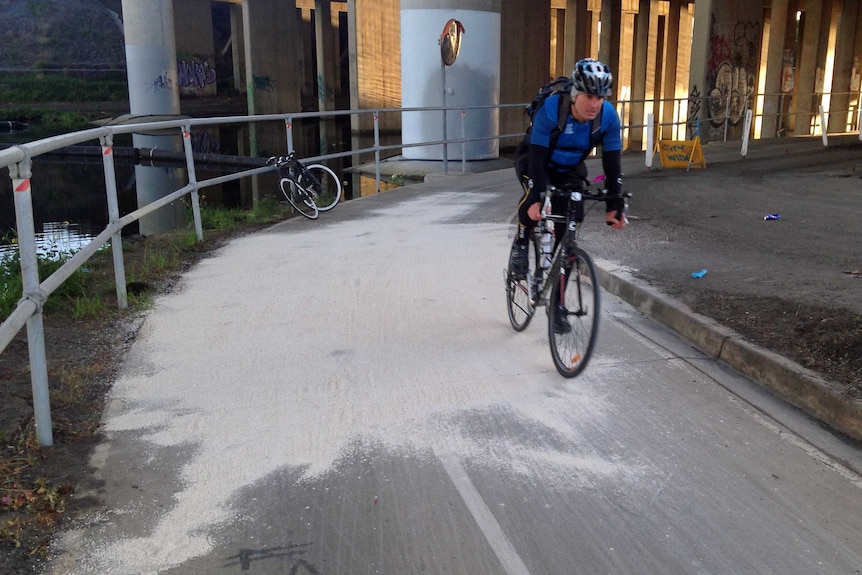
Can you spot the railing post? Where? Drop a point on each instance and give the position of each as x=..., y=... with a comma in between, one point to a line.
x=823, y=126
x=623, y=124
x=30, y=275
x=745, y=131
x=463, y=142
x=107, y=143
x=288, y=128
x=726, y=116
x=193, y=180
x=650, y=141
x=376, y=115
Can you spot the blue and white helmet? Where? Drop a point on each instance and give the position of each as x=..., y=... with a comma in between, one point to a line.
x=592, y=77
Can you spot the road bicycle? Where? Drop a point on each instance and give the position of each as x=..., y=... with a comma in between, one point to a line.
x=309, y=189
x=563, y=279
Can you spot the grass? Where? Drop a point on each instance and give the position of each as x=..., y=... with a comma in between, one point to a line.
x=34, y=488
x=30, y=87
x=34, y=98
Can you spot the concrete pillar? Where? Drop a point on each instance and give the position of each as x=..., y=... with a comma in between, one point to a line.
x=196, y=71
x=639, y=72
x=237, y=47
x=151, y=64
x=658, y=70
x=670, y=70
x=725, y=58
x=840, y=116
x=609, y=48
x=698, y=82
x=856, y=70
x=326, y=44
x=472, y=80
x=805, y=103
x=577, y=32
x=524, y=49
x=773, y=99
x=375, y=67
x=274, y=69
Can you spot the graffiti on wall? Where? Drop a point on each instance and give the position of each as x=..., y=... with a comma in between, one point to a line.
x=161, y=82
x=195, y=74
x=694, y=109
x=204, y=143
x=731, y=69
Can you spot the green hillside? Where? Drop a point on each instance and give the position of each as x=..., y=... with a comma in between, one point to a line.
x=60, y=34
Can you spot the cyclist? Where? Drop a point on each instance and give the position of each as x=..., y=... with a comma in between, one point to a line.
x=564, y=164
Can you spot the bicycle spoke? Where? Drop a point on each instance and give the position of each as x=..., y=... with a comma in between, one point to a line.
x=573, y=319
x=325, y=186
x=519, y=299
x=299, y=199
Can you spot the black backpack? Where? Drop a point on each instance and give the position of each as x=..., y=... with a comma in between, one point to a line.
x=562, y=86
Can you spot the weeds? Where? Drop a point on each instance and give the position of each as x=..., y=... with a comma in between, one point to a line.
x=27, y=88
x=26, y=505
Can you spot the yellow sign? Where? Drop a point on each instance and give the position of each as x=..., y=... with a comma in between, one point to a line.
x=681, y=153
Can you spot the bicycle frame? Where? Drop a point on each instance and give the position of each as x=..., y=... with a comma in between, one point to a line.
x=567, y=244
x=292, y=169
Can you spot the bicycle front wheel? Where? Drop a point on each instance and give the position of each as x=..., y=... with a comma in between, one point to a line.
x=330, y=187
x=299, y=199
x=573, y=315
x=519, y=299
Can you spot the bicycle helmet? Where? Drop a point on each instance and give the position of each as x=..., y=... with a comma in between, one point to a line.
x=592, y=77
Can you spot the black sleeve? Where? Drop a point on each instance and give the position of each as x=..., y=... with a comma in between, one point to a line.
x=612, y=165
x=538, y=171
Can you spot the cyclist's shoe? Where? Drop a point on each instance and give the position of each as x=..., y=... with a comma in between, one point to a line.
x=519, y=263
x=561, y=322
x=537, y=289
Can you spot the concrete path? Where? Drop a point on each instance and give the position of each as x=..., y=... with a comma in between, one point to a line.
x=346, y=397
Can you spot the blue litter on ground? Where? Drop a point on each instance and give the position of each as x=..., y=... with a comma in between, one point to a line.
x=699, y=274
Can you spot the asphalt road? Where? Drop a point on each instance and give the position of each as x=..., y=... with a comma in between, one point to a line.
x=346, y=396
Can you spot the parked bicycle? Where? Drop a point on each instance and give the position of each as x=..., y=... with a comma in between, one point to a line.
x=562, y=279
x=309, y=189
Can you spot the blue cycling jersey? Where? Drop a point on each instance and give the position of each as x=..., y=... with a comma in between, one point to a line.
x=574, y=141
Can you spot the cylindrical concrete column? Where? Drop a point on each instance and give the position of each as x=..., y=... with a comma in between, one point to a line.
x=151, y=64
x=151, y=56
x=472, y=80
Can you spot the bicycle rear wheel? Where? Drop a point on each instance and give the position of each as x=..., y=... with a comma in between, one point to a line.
x=299, y=199
x=573, y=315
x=520, y=302
x=330, y=186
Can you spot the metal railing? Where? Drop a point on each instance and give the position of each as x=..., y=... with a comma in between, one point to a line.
x=19, y=161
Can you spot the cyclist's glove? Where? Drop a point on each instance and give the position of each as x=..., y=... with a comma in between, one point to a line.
x=616, y=213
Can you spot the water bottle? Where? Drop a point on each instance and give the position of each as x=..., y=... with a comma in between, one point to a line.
x=546, y=248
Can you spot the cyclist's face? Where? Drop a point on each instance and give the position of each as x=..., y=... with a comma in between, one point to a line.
x=585, y=107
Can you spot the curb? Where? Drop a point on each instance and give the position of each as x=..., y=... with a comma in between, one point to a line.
x=790, y=381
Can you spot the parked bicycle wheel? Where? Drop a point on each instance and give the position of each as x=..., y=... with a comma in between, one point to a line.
x=573, y=321
x=520, y=302
x=301, y=200
x=329, y=192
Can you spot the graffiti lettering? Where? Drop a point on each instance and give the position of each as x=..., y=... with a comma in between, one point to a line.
x=191, y=73
x=694, y=111
x=162, y=82
x=202, y=143
x=264, y=83
x=731, y=69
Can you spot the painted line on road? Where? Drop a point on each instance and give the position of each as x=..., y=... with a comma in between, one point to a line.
x=503, y=548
